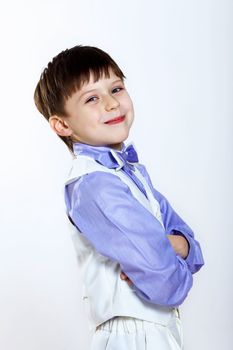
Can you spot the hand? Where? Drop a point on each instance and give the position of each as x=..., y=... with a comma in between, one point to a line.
x=179, y=244
x=126, y=278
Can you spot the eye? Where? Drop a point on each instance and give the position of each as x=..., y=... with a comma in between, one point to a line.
x=117, y=89
x=91, y=99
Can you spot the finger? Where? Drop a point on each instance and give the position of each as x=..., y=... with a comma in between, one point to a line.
x=123, y=276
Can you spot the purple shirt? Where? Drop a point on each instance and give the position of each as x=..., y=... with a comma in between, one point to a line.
x=103, y=208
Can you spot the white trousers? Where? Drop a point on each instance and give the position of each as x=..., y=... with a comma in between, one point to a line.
x=127, y=333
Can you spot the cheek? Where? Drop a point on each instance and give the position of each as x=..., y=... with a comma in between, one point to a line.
x=131, y=106
x=93, y=113
x=128, y=102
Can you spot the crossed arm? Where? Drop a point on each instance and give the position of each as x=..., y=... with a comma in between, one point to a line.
x=120, y=228
x=178, y=243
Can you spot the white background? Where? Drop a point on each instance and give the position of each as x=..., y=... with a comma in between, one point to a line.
x=177, y=57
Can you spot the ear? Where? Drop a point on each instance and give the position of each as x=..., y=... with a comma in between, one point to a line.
x=59, y=126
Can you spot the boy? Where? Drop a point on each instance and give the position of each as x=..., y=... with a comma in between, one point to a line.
x=137, y=255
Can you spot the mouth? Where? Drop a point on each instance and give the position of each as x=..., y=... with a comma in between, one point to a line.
x=116, y=120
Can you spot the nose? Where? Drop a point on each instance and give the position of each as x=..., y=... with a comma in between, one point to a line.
x=111, y=102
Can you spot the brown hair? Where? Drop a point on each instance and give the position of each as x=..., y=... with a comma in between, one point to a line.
x=65, y=74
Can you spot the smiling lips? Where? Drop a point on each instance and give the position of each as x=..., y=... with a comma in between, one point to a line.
x=116, y=120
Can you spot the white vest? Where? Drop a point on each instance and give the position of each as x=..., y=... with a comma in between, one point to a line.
x=105, y=294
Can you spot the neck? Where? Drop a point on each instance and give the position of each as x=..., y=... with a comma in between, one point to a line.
x=117, y=146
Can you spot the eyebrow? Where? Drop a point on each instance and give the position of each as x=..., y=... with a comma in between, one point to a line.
x=86, y=92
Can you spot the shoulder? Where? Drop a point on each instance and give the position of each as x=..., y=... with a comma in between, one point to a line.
x=141, y=168
x=146, y=175
x=96, y=183
x=144, y=172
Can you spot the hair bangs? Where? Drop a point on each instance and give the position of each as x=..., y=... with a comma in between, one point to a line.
x=82, y=76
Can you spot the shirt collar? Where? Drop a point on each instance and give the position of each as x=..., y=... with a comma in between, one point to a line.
x=104, y=155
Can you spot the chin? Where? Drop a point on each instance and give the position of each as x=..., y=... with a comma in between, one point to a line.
x=119, y=138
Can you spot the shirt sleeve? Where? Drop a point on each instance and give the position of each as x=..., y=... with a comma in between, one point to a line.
x=175, y=225
x=104, y=210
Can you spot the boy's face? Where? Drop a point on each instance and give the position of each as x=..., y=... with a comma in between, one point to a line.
x=92, y=110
